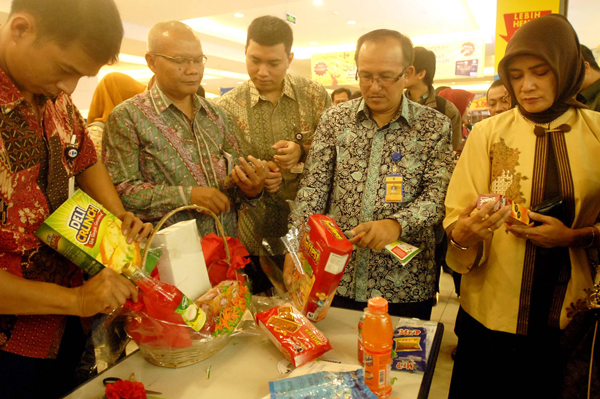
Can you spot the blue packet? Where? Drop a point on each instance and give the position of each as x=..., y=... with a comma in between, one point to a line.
x=409, y=352
x=322, y=385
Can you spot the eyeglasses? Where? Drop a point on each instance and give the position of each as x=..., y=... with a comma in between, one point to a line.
x=200, y=60
x=382, y=82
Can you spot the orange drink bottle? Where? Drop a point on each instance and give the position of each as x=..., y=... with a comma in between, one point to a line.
x=377, y=338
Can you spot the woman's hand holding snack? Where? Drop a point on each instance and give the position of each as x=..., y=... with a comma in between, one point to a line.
x=472, y=228
x=552, y=233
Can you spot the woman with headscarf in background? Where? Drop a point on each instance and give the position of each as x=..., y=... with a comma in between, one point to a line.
x=522, y=284
x=112, y=90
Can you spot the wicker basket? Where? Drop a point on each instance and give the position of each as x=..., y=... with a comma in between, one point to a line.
x=202, y=346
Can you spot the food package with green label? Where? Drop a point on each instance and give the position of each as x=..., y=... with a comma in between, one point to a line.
x=87, y=234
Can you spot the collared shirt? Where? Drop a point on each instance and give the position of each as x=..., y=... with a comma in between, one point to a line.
x=430, y=99
x=34, y=174
x=591, y=96
x=263, y=124
x=347, y=168
x=155, y=155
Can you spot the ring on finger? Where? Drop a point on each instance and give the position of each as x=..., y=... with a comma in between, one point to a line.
x=490, y=230
x=527, y=237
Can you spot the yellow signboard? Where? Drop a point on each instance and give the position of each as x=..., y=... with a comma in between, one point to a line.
x=512, y=14
x=334, y=69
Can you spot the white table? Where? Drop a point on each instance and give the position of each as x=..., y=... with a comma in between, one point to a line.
x=244, y=368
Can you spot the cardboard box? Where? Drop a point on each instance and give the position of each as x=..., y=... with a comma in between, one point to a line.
x=84, y=232
x=325, y=252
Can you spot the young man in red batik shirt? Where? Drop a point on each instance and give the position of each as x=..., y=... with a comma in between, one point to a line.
x=45, y=48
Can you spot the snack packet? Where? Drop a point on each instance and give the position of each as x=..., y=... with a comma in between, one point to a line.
x=293, y=334
x=413, y=339
x=324, y=253
x=324, y=384
x=84, y=232
x=402, y=251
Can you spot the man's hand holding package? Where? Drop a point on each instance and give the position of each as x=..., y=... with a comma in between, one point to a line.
x=103, y=293
x=134, y=228
x=211, y=198
x=288, y=154
x=274, y=179
x=472, y=227
x=377, y=234
x=250, y=178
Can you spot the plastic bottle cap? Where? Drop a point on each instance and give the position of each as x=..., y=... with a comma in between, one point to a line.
x=128, y=269
x=378, y=304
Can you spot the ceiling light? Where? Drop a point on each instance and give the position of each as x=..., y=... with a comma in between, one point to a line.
x=240, y=83
x=318, y=2
x=313, y=43
x=351, y=22
x=238, y=15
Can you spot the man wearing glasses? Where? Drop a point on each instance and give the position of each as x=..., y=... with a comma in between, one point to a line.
x=169, y=147
x=380, y=166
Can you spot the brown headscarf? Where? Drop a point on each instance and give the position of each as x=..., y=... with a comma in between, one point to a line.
x=550, y=38
x=112, y=90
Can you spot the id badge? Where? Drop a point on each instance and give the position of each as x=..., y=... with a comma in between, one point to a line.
x=393, y=188
x=229, y=159
x=298, y=169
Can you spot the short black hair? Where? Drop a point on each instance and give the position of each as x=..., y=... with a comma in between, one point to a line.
x=495, y=83
x=356, y=94
x=425, y=61
x=382, y=34
x=93, y=24
x=588, y=56
x=341, y=90
x=270, y=31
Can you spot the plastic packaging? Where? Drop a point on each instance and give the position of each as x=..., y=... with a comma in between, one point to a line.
x=293, y=334
x=361, y=321
x=341, y=385
x=377, y=333
x=164, y=301
x=413, y=339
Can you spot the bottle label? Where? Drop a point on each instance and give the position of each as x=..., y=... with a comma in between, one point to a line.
x=192, y=315
x=377, y=370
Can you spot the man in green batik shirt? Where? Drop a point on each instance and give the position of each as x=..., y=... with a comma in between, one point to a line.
x=168, y=147
x=277, y=114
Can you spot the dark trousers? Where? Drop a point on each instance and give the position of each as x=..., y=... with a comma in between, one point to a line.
x=25, y=377
x=259, y=282
x=420, y=310
x=492, y=364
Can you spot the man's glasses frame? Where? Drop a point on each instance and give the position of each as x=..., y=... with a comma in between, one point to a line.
x=382, y=82
x=200, y=60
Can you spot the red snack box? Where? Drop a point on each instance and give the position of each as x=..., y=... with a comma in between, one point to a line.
x=519, y=213
x=325, y=252
x=485, y=198
x=293, y=334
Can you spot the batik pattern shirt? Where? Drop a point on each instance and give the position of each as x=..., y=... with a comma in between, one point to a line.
x=155, y=155
x=346, y=170
x=34, y=175
x=262, y=124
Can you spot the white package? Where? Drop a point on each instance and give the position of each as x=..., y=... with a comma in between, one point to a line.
x=182, y=262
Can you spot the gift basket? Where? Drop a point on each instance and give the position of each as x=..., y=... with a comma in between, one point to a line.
x=221, y=313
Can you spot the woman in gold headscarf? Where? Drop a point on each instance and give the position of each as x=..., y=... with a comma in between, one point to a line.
x=522, y=284
x=112, y=90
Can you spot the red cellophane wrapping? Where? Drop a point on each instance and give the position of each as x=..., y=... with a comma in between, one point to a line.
x=293, y=334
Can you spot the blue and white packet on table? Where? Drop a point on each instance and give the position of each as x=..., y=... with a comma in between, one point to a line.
x=323, y=384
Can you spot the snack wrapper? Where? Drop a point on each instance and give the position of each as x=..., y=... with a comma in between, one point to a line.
x=402, y=251
x=324, y=253
x=413, y=339
x=293, y=334
x=323, y=384
x=518, y=213
x=87, y=234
